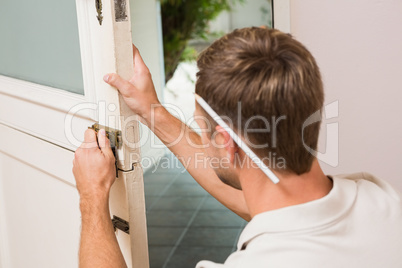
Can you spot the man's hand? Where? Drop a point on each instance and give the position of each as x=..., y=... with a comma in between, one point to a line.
x=94, y=172
x=139, y=92
x=94, y=167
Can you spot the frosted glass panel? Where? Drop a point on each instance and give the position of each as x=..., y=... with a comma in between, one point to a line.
x=39, y=43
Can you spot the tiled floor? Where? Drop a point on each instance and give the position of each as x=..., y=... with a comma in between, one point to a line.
x=185, y=223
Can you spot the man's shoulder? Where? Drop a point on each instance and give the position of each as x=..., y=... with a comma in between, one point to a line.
x=293, y=236
x=210, y=264
x=372, y=185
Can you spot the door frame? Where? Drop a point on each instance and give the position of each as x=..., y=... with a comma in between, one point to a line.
x=281, y=18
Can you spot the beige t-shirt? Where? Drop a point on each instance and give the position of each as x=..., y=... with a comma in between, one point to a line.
x=358, y=224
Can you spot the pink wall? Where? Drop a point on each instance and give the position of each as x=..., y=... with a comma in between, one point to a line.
x=358, y=46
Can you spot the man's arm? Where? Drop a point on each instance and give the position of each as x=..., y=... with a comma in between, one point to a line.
x=94, y=172
x=140, y=95
x=168, y=128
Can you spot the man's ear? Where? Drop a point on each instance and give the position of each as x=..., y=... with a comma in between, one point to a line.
x=224, y=140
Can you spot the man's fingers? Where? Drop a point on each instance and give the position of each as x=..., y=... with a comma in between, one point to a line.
x=89, y=140
x=122, y=85
x=139, y=65
x=104, y=143
x=90, y=135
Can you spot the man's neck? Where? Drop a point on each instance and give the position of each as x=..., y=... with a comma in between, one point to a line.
x=262, y=195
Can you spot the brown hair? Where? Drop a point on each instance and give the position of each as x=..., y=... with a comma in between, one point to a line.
x=271, y=75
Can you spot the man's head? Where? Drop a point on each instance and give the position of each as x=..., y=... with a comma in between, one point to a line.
x=266, y=84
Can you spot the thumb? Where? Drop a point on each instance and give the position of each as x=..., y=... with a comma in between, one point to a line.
x=139, y=65
x=104, y=143
x=124, y=86
x=89, y=140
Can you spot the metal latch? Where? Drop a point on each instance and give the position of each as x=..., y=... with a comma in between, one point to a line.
x=119, y=223
x=114, y=136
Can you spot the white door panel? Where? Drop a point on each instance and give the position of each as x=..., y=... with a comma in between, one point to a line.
x=41, y=126
x=42, y=217
x=41, y=111
x=39, y=204
x=38, y=153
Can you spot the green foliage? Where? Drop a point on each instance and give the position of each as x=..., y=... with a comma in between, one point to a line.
x=183, y=20
x=189, y=54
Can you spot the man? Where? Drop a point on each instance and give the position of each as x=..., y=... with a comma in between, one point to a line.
x=265, y=84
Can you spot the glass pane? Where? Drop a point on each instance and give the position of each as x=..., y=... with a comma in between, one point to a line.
x=39, y=43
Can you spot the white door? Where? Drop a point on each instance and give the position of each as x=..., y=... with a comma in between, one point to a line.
x=53, y=56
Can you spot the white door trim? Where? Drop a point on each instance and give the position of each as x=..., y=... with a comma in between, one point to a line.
x=35, y=151
x=4, y=252
x=49, y=105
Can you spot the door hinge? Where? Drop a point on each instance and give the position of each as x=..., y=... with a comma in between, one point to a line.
x=119, y=223
x=98, y=5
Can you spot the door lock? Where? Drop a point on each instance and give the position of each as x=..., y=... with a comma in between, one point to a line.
x=114, y=136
